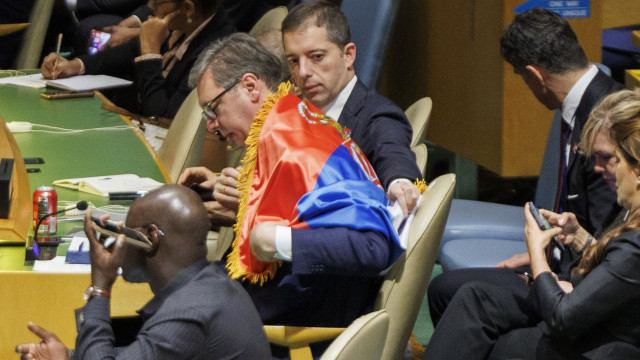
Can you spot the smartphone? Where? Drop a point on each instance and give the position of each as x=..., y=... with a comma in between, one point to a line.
x=65, y=94
x=97, y=41
x=110, y=228
x=543, y=223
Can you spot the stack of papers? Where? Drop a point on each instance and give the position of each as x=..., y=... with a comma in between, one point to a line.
x=74, y=83
x=109, y=184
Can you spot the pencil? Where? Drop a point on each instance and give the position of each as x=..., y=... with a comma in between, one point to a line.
x=55, y=64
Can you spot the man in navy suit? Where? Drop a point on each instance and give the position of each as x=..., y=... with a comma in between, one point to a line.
x=544, y=50
x=328, y=276
x=320, y=56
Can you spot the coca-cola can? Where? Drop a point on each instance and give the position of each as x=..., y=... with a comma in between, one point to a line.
x=45, y=201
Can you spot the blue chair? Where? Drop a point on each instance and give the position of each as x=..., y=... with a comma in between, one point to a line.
x=481, y=234
x=370, y=24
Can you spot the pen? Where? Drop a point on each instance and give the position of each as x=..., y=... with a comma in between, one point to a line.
x=55, y=64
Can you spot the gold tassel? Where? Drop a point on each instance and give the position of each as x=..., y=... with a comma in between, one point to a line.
x=417, y=350
x=421, y=185
x=245, y=177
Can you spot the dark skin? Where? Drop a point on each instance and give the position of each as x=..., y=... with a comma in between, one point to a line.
x=175, y=221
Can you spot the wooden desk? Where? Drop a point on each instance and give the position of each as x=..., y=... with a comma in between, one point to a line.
x=49, y=299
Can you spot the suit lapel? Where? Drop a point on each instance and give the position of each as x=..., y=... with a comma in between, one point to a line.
x=598, y=88
x=353, y=106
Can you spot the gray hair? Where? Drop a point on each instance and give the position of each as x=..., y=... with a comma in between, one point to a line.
x=235, y=55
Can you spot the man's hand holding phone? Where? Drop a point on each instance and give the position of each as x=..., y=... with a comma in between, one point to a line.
x=104, y=262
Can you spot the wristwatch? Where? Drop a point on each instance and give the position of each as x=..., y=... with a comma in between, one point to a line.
x=93, y=291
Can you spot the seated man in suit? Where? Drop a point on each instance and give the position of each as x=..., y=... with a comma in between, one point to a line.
x=321, y=64
x=544, y=50
x=197, y=311
x=320, y=55
x=313, y=232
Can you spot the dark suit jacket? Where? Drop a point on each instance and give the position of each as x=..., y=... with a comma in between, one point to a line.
x=158, y=96
x=588, y=196
x=332, y=280
x=607, y=297
x=199, y=314
x=383, y=133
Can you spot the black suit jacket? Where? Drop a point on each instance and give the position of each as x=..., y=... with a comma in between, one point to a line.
x=383, y=133
x=606, y=298
x=157, y=96
x=588, y=196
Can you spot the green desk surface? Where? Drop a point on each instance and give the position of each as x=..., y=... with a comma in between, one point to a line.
x=71, y=155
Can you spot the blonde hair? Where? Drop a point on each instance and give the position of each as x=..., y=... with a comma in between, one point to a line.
x=624, y=104
x=621, y=110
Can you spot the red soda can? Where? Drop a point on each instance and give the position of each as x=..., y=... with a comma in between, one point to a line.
x=45, y=201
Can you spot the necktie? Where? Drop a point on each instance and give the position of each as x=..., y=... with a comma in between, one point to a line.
x=565, y=131
x=561, y=193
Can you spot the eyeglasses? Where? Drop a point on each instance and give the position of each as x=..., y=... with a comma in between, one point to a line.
x=208, y=112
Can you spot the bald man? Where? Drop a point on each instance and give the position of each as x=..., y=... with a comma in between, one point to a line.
x=197, y=311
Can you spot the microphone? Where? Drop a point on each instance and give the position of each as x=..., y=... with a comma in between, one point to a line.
x=80, y=205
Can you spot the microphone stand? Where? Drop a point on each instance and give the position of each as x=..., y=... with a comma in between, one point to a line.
x=80, y=205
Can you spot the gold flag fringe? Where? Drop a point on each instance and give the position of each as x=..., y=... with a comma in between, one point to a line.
x=421, y=185
x=236, y=270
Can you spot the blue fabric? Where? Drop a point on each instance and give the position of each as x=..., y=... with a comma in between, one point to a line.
x=356, y=203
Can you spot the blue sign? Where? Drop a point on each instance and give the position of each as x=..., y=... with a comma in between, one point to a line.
x=566, y=8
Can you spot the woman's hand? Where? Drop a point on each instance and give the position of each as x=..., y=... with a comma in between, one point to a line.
x=536, y=238
x=154, y=32
x=63, y=69
x=537, y=241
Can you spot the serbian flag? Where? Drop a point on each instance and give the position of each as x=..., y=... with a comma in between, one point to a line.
x=303, y=171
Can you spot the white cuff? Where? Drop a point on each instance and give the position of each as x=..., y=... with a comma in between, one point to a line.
x=283, y=243
x=397, y=181
x=147, y=57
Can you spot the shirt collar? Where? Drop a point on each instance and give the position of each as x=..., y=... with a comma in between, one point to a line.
x=334, y=108
x=176, y=35
x=178, y=282
x=574, y=96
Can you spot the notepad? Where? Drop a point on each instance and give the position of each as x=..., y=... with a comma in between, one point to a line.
x=103, y=185
x=74, y=83
x=88, y=82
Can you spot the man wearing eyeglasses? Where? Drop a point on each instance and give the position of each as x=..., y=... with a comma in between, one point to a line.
x=313, y=232
x=197, y=311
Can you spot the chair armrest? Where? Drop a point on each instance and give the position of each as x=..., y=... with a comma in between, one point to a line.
x=298, y=338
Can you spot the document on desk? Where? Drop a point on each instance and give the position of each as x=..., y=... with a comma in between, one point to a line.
x=74, y=83
x=58, y=265
x=104, y=185
x=88, y=82
x=34, y=80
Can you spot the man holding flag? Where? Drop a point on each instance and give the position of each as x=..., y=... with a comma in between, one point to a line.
x=313, y=231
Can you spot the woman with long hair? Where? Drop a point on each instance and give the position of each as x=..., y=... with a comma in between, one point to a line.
x=595, y=316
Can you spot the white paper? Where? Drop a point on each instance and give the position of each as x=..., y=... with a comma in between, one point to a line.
x=88, y=82
x=57, y=265
x=34, y=80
